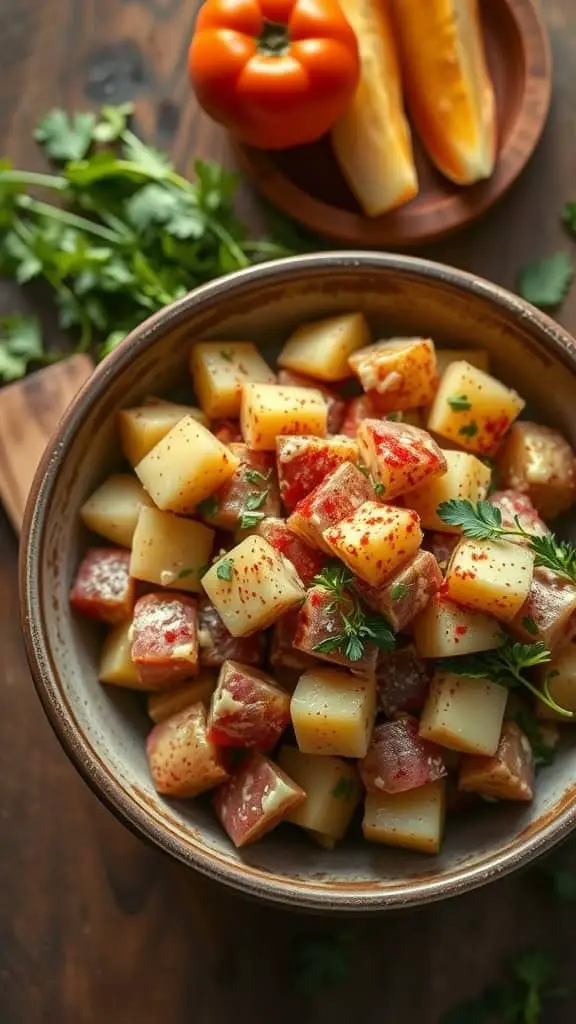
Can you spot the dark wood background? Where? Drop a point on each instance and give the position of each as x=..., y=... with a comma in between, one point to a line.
x=95, y=926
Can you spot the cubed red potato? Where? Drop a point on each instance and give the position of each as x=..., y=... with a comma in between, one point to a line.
x=283, y=653
x=539, y=462
x=165, y=638
x=399, y=760
x=103, y=588
x=227, y=431
x=399, y=456
x=514, y=505
x=441, y=545
x=252, y=487
x=166, y=703
x=319, y=620
x=401, y=373
x=339, y=494
x=307, y=561
x=374, y=540
x=508, y=774
x=256, y=799
x=304, y=462
x=363, y=407
x=217, y=644
x=407, y=592
x=402, y=681
x=336, y=404
x=182, y=760
x=548, y=614
x=247, y=709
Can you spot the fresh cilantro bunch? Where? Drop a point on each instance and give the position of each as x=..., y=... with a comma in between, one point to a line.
x=117, y=234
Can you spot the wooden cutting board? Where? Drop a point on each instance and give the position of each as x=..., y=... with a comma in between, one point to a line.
x=30, y=411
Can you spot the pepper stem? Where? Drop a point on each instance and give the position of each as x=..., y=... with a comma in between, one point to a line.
x=274, y=41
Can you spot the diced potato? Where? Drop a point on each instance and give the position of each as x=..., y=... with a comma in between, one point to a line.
x=182, y=760
x=332, y=791
x=283, y=655
x=401, y=372
x=336, y=403
x=169, y=550
x=445, y=629
x=321, y=349
x=407, y=592
x=116, y=665
x=307, y=561
x=560, y=676
x=304, y=462
x=475, y=356
x=398, y=759
x=375, y=539
x=185, y=467
x=252, y=586
x=464, y=714
x=507, y=775
x=217, y=644
x=165, y=639
x=465, y=477
x=169, y=702
x=412, y=820
x=142, y=428
x=253, y=487
x=339, y=494
x=248, y=709
x=103, y=588
x=473, y=409
x=333, y=712
x=362, y=407
x=539, y=462
x=512, y=506
x=491, y=576
x=256, y=799
x=268, y=410
x=320, y=619
x=219, y=371
x=112, y=510
x=399, y=456
x=402, y=682
x=548, y=614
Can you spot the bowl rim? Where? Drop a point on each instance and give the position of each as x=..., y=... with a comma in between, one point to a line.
x=139, y=817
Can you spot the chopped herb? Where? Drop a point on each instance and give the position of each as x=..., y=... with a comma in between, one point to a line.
x=399, y=591
x=249, y=517
x=248, y=520
x=545, y=283
x=254, y=476
x=358, y=627
x=226, y=355
x=469, y=429
x=20, y=345
x=529, y=625
x=378, y=488
x=459, y=403
x=483, y=521
x=395, y=417
x=207, y=508
x=345, y=788
x=254, y=501
x=225, y=569
x=184, y=573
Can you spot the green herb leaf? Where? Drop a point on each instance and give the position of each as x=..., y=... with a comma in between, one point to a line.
x=546, y=282
x=113, y=122
x=207, y=508
x=345, y=788
x=399, y=591
x=20, y=345
x=225, y=569
x=254, y=476
x=480, y=520
x=357, y=627
x=254, y=501
x=469, y=429
x=378, y=488
x=227, y=356
x=394, y=417
x=184, y=573
x=248, y=520
x=459, y=403
x=64, y=136
x=529, y=625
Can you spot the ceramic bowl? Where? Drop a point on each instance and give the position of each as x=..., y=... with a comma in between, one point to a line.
x=103, y=730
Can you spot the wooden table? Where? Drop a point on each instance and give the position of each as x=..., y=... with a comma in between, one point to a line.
x=94, y=925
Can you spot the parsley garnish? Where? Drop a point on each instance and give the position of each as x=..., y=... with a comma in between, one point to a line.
x=469, y=430
x=399, y=591
x=344, y=788
x=225, y=569
x=394, y=417
x=506, y=666
x=546, y=282
x=254, y=476
x=226, y=355
x=529, y=625
x=358, y=628
x=207, y=508
x=377, y=486
x=20, y=345
x=249, y=516
x=459, y=403
x=483, y=521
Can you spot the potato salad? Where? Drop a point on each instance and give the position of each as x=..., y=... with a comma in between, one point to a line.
x=333, y=584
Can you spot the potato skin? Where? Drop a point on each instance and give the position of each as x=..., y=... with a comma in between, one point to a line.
x=399, y=456
x=537, y=461
x=103, y=588
x=182, y=760
x=165, y=638
x=256, y=799
x=507, y=775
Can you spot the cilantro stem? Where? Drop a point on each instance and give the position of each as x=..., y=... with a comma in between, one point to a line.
x=546, y=697
x=33, y=178
x=66, y=217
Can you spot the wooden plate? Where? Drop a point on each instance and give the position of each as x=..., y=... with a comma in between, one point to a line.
x=306, y=182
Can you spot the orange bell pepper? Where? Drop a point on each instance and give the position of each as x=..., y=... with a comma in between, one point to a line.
x=276, y=73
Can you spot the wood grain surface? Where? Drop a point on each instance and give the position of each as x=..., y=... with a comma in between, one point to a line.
x=94, y=926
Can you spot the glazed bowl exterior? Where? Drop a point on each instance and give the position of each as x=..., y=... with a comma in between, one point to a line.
x=103, y=730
